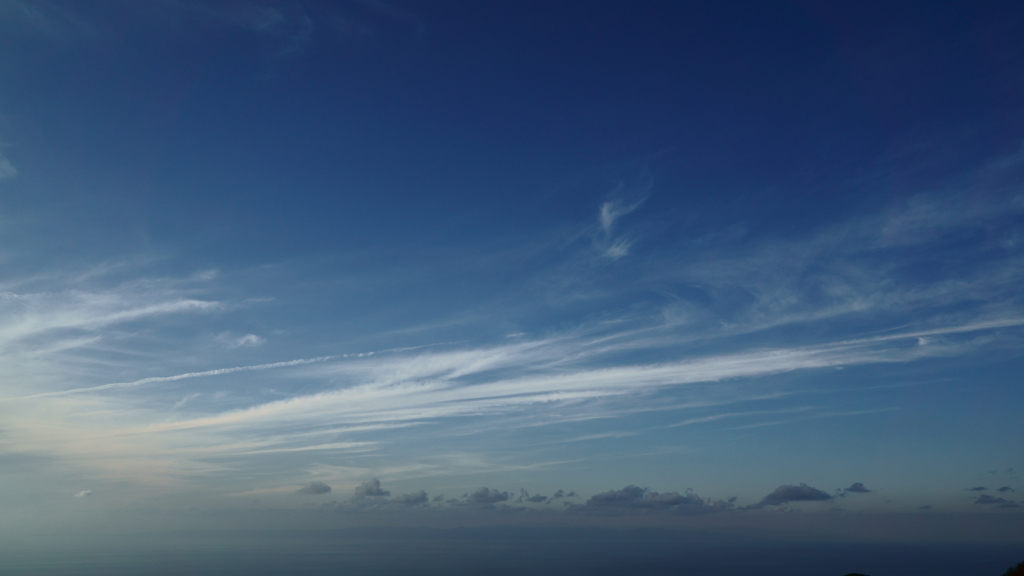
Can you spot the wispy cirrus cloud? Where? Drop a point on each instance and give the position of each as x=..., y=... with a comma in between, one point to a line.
x=7, y=170
x=176, y=377
x=246, y=341
x=52, y=334
x=713, y=354
x=628, y=193
x=287, y=27
x=52, y=20
x=403, y=390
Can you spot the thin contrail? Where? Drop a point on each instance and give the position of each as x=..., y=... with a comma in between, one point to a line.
x=216, y=372
x=221, y=371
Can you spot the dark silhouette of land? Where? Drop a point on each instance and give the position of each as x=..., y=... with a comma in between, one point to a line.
x=1017, y=570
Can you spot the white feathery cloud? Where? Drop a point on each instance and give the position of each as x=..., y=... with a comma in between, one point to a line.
x=612, y=211
x=7, y=170
x=619, y=249
x=166, y=434
x=249, y=340
x=26, y=315
x=101, y=432
x=176, y=377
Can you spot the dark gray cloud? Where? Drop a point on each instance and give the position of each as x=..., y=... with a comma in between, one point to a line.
x=986, y=499
x=858, y=487
x=484, y=495
x=414, y=499
x=628, y=496
x=636, y=498
x=371, y=489
x=370, y=496
x=558, y=494
x=524, y=496
x=438, y=498
x=789, y=493
x=314, y=488
x=1006, y=489
x=977, y=489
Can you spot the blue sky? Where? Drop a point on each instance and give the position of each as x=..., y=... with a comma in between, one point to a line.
x=741, y=255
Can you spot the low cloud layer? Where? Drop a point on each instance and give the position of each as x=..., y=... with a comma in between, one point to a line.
x=371, y=489
x=314, y=488
x=790, y=493
x=525, y=496
x=985, y=499
x=637, y=498
x=484, y=495
x=858, y=488
x=415, y=499
x=631, y=499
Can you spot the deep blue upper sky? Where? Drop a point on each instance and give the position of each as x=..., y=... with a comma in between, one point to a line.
x=460, y=122
x=590, y=244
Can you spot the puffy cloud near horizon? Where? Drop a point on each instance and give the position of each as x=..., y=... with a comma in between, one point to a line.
x=790, y=493
x=637, y=498
x=858, y=488
x=415, y=499
x=525, y=496
x=484, y=495
x=986, y=499
x=314, y=488
x=371, y=489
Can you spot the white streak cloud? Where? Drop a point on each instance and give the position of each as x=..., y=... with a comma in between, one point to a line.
x=7, y=170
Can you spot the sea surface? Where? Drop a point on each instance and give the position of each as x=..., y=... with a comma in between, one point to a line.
x=497, y=552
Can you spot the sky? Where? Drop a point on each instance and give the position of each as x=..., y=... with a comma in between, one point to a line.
x=744, y=267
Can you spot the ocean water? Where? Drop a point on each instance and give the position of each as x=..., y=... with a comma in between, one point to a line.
x=497, y=552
